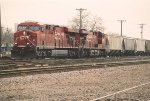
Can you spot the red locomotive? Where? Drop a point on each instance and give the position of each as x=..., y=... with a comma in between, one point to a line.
x=33, y=39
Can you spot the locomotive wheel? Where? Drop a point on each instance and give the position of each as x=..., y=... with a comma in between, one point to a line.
x=69, y=53
x=48, y=53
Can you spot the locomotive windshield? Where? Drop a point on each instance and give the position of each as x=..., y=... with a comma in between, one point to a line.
x=34, y=28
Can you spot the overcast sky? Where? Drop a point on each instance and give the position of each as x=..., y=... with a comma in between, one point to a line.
x=60, y=12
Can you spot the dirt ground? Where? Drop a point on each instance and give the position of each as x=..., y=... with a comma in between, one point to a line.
x=76, y=85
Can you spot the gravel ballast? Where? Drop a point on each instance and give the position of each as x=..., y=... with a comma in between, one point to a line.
x=82, y=85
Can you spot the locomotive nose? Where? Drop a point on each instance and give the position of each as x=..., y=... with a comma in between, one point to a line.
x=25, y=38
x=22, y=40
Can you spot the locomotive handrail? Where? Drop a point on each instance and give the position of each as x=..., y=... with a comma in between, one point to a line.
x=31, y=42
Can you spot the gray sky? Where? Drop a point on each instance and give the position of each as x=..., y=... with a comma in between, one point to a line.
x=61, y=11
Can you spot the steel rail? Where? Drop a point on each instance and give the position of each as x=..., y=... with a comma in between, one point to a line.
x=71, y=67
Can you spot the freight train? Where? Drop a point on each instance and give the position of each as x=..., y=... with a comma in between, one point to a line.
x=35, y=40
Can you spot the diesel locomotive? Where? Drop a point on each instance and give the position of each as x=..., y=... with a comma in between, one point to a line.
x=34, y=40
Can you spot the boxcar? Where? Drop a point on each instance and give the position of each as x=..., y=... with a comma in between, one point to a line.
x=128, y=46
x=139, y=46
x=147, y=47
x=115, y=45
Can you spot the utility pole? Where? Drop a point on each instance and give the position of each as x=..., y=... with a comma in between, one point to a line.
x=80, y=27
x=141, y=26
x=80, y=10
x=121, y=24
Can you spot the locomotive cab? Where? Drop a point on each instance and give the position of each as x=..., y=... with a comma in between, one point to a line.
x=25, y=40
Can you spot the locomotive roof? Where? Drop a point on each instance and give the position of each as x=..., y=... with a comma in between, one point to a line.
x=77, y=31
x=28, y=23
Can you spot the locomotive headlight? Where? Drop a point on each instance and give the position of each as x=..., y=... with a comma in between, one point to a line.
x=27, y=43
x=15, y=44
x=24, y=33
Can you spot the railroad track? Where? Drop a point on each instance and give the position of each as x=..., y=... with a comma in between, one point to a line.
x=15, y=64
x=61, y=68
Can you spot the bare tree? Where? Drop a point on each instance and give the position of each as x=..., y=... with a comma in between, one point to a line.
x=75, y=22
x=93, y=23
x=7, y=38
